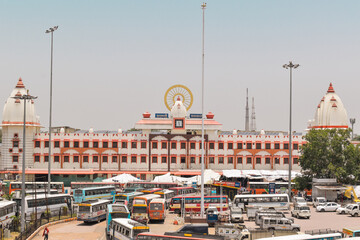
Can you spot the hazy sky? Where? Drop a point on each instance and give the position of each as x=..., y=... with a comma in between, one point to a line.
x=114, y=60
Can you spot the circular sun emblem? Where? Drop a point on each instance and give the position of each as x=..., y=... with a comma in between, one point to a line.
x=178, y=91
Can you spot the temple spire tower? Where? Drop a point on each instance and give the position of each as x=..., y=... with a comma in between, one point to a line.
x=247, y=127
x=253, y=117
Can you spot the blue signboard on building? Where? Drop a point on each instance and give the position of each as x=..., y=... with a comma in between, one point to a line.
x=195, y=115
x=237, y=184
x=161, y=115
x=272, y=188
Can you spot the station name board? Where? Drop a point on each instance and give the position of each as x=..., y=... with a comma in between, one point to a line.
x=195, y=115
x=161, y=115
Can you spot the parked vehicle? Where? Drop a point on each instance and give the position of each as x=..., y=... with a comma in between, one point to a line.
x=346, y=209
x=355, y=212
x=300, y=201
x=301, y=211
x=212, y=215
x=268, y=213
x=328, y=207
x=236, y=215
x=351, y=232
x=318, y=201
x=272, y=223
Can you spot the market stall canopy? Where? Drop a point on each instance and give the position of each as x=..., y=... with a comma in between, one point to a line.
x=122, y=178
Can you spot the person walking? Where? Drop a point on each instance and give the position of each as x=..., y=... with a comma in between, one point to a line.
x=46, y=233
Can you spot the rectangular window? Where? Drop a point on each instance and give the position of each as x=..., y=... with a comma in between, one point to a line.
x=154, y=145
x=267, y=145
x=15, y=159
x=76, y=144
x=200, y=145
x=76, y=159
x=192, y=145
x=164, y=145
x=258, y=160
x=15, y=144
x=173, y=145
x=114, y=159
x=66, y=159
x=105, y=159
x=221, y=160
x=66, y=144
x=183, y=145
x=277, y=145
x=296, y=161
x=86, y=144
x=239, y=160
x=230, y=160
x=183, y=160
x=211, y=145
x=124, y=159
x=248, y=146
x=123, y=144
x=248, y=160
x=277, y=160
x=258, y=145
x=133, y=159
x=95, y=144
x=134, y=145
x=57, y=144
x=221, y=145
x=46, y=144
x=286, y=160
x=143, y=159
x=192, y=159
x=163, y=159
x=173, y=159
x=95, y=158
x=85, y=159
x=286, y=146
x=267, y=160
x=46, y=158
x=154, y=159
x=296, y=146
x=143, y=145
x=105, y=144
x=36, y=158
x=37, y=144
x=230, y=145
x=114, y=144
x=211, y=160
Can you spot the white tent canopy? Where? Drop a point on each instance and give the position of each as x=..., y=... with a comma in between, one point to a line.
x=209, y=177
x=268, y=175
x=122, y=178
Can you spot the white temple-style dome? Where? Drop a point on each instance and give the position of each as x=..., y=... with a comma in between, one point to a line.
x=330, y=112
x=13, y=113
x=178, y=110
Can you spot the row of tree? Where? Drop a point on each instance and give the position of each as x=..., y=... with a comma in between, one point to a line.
x=329, y=153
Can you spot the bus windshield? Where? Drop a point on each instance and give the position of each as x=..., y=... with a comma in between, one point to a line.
x=156, y=206
x=119, y=215
x=78, y=193
x=84, y=208
x=139, y=209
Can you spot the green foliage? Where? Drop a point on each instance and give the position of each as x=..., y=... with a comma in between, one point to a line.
x=0, y=135
x=303, y=182
x=8, y=196
x=330, y=154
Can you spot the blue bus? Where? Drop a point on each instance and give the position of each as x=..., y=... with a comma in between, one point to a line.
x=115, y=211
x=126, y=198
x=92, y=193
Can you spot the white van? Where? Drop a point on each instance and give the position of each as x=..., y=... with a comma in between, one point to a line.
x=271, y=223
x=318, y=201
x=301, y=211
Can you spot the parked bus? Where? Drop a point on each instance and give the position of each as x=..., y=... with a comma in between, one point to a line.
x=140, y=207
x=7, y=210
x=92, y=211
x=183, y=190
x=133, y=189
x=17, y=193
x=192, y=203
x=86, y=194
x=77, y=185
x=126, y=198
x=59, y=186
x=351, y=233
x=151, y=190
x=157, y=209
x=154, y=236
x=167, y=195
x=126, y=229
x=280, y=187
x=145, y=185
x=275, y=201
x=115, y=211
x=328, y=236
x=40, y=203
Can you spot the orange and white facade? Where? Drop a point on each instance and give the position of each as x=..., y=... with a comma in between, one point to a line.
x=169, y=142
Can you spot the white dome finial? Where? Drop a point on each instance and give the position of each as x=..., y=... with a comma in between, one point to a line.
x=119, y=131
x=91, y=130
x=178, y=110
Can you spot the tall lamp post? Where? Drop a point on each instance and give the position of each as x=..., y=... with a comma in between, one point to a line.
x=50, y=30
x=352, y=121
x=290, y=66
x=24, y=97
x=203, y=6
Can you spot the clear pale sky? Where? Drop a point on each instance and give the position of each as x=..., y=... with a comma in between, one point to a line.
x=114, y=60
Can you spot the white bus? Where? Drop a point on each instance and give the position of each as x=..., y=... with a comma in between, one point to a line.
x=329, y=236
x=40, y=203
x=7, y=210
x=92, y=211
x=126, y=229
x=275, y=201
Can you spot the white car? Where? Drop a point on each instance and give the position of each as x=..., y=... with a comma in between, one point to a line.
x=300, y=201
x=345, y=210
x=328, y=207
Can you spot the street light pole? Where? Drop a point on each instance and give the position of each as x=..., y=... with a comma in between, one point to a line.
x=24, y=97
x=291, y=66
x=50, y=30
x=203, y=6
x=352, y=121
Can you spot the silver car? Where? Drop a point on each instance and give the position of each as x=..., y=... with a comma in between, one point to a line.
x=300, y=211
x=236, y=215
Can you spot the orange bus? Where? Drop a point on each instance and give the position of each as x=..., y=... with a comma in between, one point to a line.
x=140, y=207
x=157, y=209
x=59, y=186
x=151, y=190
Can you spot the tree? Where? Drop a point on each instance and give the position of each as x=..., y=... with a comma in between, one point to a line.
x=329, y=153
x=8, y=196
